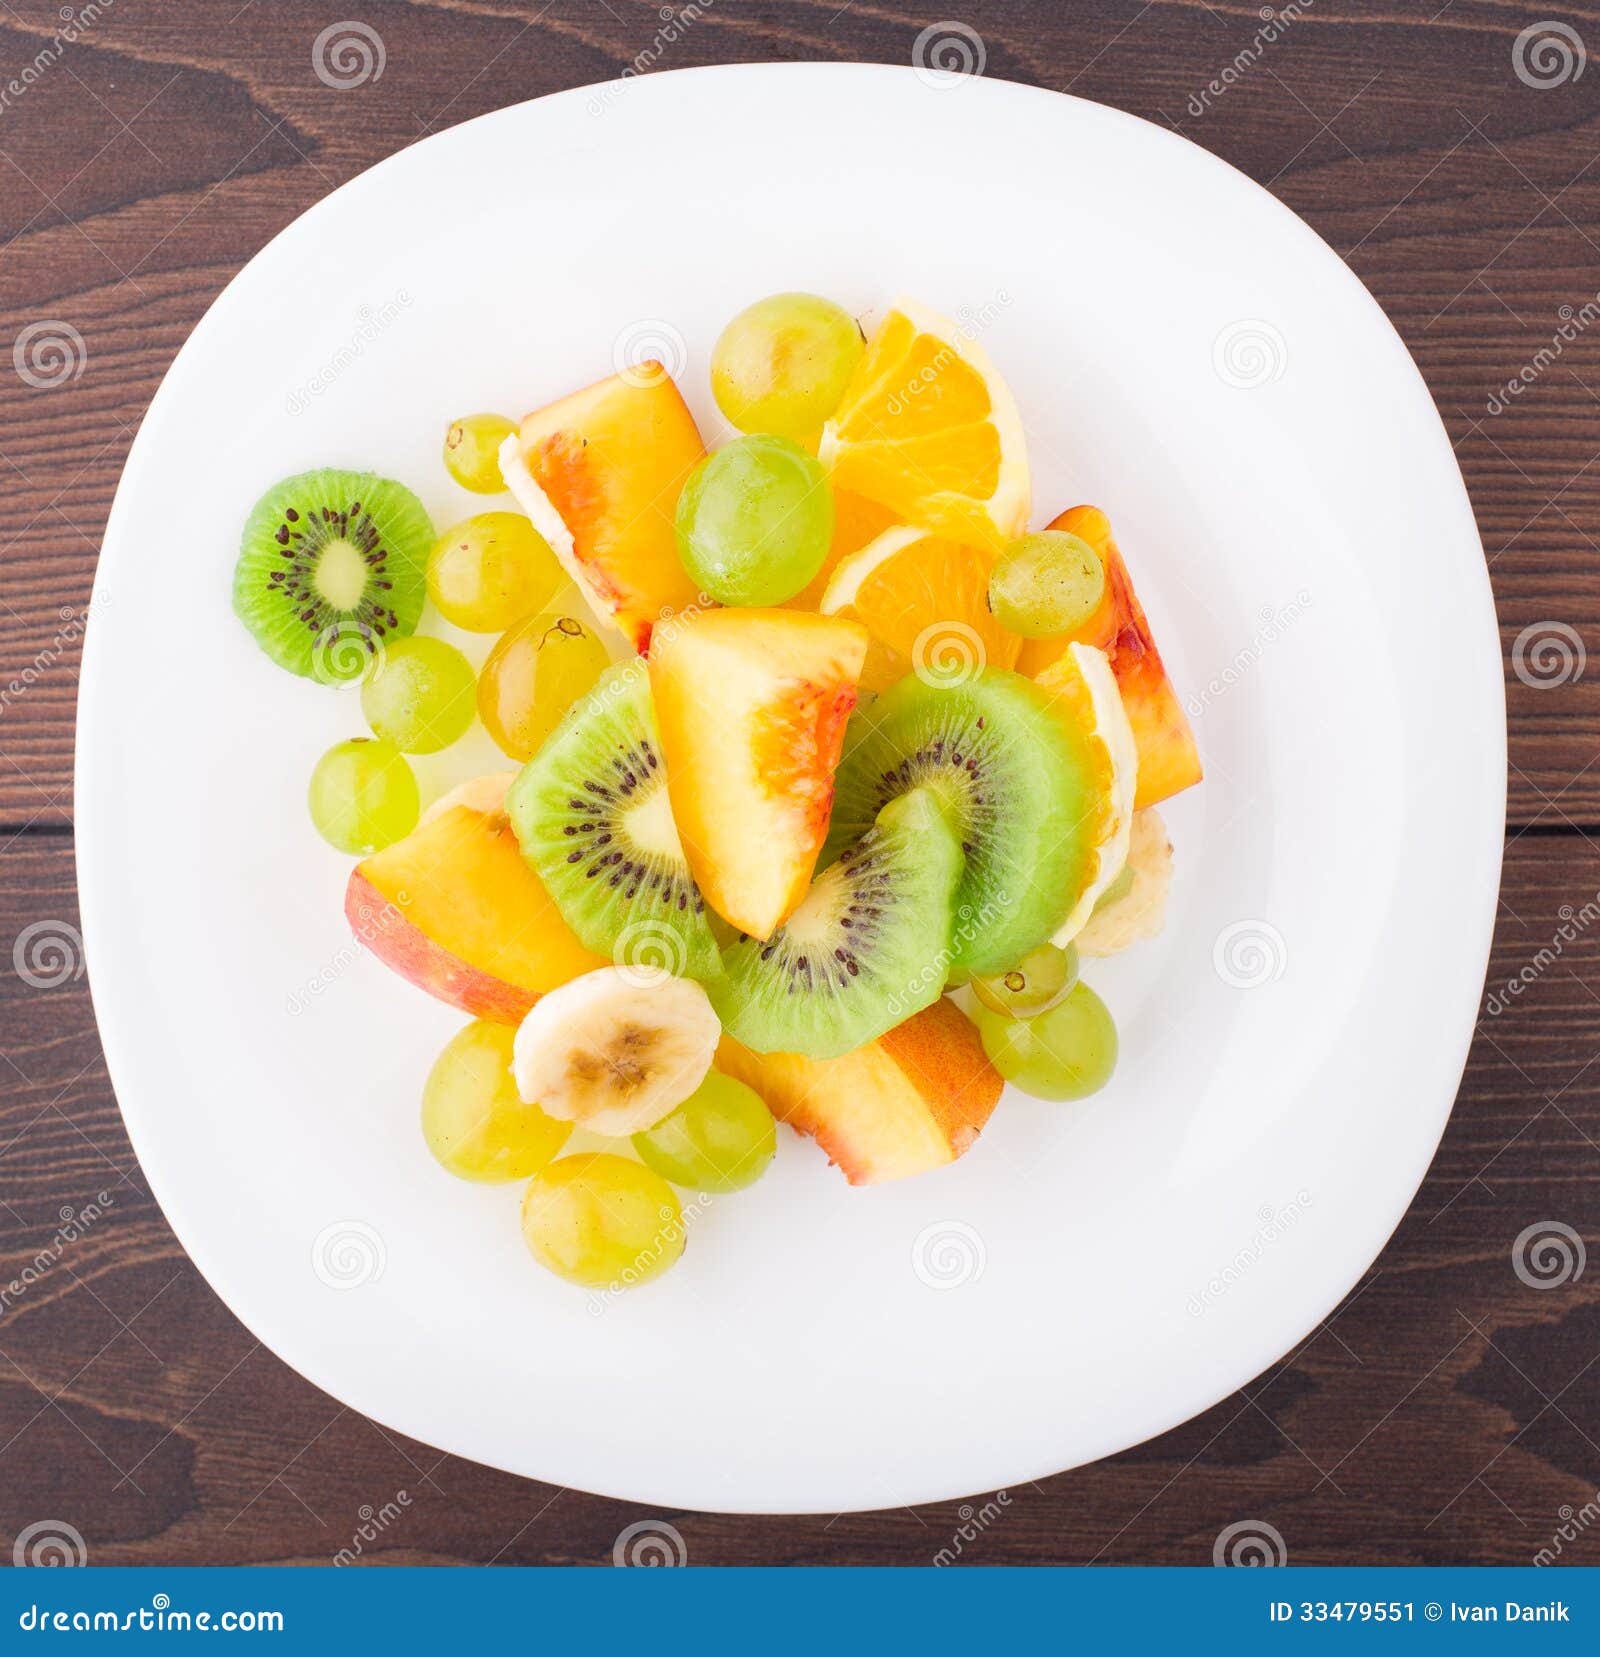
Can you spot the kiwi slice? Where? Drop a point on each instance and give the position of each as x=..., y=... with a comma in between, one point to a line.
x=867, y=948
x=330, y=565
x=591, y=815
x=1019, y=788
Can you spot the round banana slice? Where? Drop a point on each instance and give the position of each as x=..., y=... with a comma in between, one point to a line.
x=615, y=1050
x=1142, y=911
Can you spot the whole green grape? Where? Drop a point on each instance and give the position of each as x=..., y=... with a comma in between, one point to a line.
x=490, y=570
x=783, y=363
x=473, y=1120
x=1035, y=984
x=422, y=696
x=363, y=796
x=1067, y=1052
x=533, y=675
x=755, y=521
x=1046, y=584
x=720, y=1138
x=472, y=451
x=602, y=1221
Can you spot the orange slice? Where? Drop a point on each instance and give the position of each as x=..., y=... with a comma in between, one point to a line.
x=856, y=520
x=925, y=601
x=928, y=429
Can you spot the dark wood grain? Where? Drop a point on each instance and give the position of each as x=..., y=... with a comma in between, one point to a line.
x=1448, y=1412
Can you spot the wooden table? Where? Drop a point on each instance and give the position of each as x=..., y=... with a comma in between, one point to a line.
x=1448, y=1412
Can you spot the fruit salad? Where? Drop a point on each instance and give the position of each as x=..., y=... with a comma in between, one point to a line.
x=826, y=774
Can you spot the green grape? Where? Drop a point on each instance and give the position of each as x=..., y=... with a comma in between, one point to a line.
x=720, y=1138
x=489, y=571
x=1117, y=890
x=755, y=521
x=1067, y=1052
x=533, y=675
x=472, y=451
x=472, y=1119
x=363, y=796
x=421, y=697
x=1046, y=584
x=602, y=1221
x=783, y=363
x=1035, y=984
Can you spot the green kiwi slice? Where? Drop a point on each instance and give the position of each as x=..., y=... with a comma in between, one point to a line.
x=867, y=948
x=591, y=815
x=1018, y=787
x=331, y=564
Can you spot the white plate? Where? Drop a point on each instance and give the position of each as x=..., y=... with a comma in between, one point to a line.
x=1186, y=353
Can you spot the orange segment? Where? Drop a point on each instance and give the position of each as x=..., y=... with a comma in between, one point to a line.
x=925, y=601
x=856, y=520
x=928, y=429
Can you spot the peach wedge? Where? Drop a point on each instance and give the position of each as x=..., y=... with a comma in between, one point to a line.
x=599, y=474
x=1168, y=759
x=454, y=909
x=752, y=706
x=914, y=1099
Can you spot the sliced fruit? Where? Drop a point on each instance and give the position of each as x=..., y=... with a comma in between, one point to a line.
x=330, y=566
x=867, y=947
x=454, y=909
x=599, y=474
x=1084, y=696
x=856, y=520
x=927, y=428
x=615, y=1050
x=1019, y=782
x=592, y=814
x=1168, y=759
x=1140, y=911
x=602, y=1221
x=924, y=599
x=752, y=707
x=912, y=1100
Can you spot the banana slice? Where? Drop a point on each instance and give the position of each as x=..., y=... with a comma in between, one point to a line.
x=1142, y=912
x=615, y=1050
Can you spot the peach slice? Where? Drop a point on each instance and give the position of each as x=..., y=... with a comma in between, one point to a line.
x=455, y=910
x=752, y=706
x=599, y=474
x=1168, y=759
x=914, y=1099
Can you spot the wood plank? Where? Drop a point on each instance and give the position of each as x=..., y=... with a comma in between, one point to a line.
x=1405, y=1429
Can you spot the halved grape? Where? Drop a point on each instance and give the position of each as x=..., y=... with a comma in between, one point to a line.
x=602, y=1221
x=489, y=571
x=1035, y=984
x=755, y=520
x=533, y=675
x=421, y=696
x=472, y=451
x=1046, y=584
x=1067, y=1052
x=363, y=796
x=474, y=1122
x=720, y=1138
x=782, y=364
